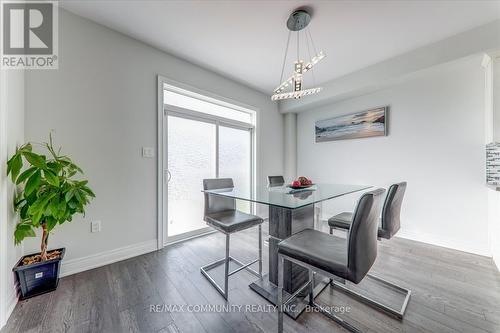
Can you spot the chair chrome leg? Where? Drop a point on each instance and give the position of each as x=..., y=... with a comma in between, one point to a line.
x=226, y=261
x=331, y=233
x=260, y=250
x=311, y=287
x=280, y=294
x=399, y=314
x=310, y=283
x=226, y=268
x=330, y=315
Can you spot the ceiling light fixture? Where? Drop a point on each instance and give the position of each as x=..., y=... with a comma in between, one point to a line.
x=297, y=22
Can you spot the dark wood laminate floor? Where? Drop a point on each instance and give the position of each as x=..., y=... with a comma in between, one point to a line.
x=451, y=292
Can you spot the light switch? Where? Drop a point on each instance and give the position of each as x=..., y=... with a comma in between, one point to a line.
x=148, y=152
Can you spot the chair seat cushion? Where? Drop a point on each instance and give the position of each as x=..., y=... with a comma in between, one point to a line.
x=232, y=220
x=344, y=220
x=341, y=221
x=318, y=249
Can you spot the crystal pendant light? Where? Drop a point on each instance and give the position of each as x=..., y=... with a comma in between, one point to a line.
x=298, y=21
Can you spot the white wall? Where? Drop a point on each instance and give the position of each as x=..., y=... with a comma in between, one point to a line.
x=494, y=196
x=494, y=215
x=495, y=63
x=11, y=135
x=102, y=104
x=290, y=151
x=435, y=143
x=389, y=72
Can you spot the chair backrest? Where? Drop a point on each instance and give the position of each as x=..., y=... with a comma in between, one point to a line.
x=275, y=180
x=391, y=210
x=216, y=203
x=362, y=236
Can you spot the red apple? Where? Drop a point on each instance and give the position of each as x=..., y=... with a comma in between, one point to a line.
x=296, y=183
x=302, y=180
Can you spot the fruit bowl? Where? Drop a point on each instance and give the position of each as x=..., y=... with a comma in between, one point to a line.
x=299, y=186
x=301, y=182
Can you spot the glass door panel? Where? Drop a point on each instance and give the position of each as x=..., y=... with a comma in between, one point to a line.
x=191, y=158
x=235, y=159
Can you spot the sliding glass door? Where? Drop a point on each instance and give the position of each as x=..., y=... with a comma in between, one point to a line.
x=235, y=159
x=204, y=138
x=191, y=158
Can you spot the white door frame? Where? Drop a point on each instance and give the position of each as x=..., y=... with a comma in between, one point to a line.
x=162, y=147
x=168, y=111
x=4, y=239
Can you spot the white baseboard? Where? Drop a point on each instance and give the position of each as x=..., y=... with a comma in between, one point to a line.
x=10, y=305
x=448, y=243
x=496, y=260
x=438, y=241
x=77, y=265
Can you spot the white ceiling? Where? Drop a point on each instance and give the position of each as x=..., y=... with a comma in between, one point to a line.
x=245, y=40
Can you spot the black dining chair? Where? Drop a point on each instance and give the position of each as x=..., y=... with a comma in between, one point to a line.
x=221, y=214
x=390, y=222
x=275, y=180
x=348, y=258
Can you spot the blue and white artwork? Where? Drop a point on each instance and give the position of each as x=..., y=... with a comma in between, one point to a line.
x=363, y=124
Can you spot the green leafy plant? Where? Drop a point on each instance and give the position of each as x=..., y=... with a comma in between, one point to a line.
x=48, y=193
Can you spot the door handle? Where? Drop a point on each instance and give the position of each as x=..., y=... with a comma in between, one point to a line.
x=168, y=175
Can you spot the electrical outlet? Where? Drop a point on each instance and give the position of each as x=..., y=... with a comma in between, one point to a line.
x=148, y=152
x=95, y=226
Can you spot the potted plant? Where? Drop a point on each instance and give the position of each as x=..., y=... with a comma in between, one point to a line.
x=48, y=194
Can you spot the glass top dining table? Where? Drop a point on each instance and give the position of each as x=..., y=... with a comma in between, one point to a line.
x=282, y=224
x=286, y=197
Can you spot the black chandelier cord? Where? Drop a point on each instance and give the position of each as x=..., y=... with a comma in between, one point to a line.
x=284, y=58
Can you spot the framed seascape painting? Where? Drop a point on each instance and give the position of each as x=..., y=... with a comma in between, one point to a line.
x=362, y=124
